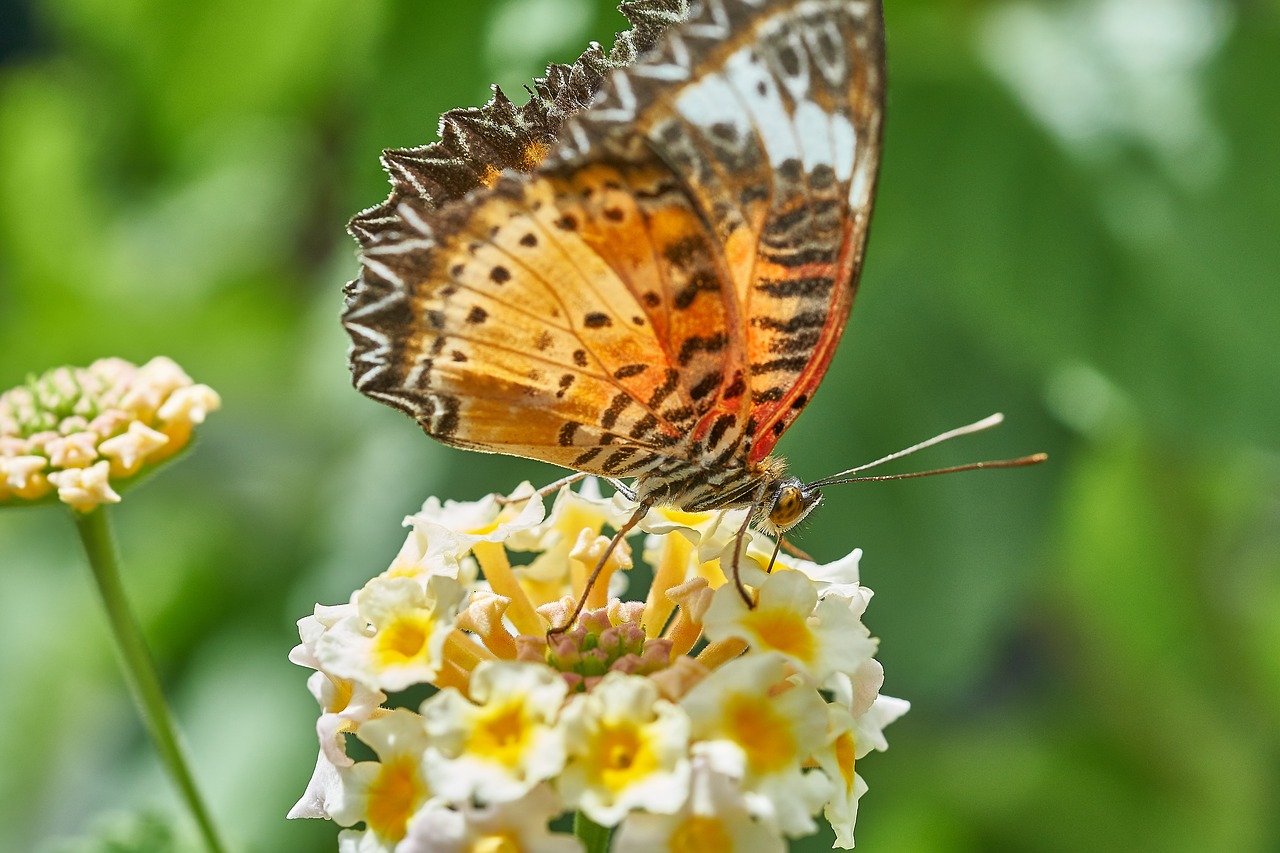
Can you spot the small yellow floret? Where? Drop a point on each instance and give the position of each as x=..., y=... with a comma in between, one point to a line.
x=623, y=755
x=502, y=733
x=699, y=834
x=764, y=735
x=394, y=796
x=845, y=747
x=786, y=631
x=403, y=639
x=503, y=842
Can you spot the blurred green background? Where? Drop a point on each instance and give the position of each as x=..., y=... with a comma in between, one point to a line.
x=1077, y=225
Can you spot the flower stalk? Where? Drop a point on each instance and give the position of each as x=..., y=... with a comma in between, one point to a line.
x=594, y=837
x=96, y=536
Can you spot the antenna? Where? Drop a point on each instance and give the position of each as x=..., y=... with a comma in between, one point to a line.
x=977, y=426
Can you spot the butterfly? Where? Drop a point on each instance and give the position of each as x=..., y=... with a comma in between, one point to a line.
x=644, y=272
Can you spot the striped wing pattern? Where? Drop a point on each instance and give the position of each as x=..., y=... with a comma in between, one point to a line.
x=657, y=293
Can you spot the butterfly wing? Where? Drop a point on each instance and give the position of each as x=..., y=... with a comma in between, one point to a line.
x=776, y=134
x=630, y=308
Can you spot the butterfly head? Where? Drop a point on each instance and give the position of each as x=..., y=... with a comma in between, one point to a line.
x=787, y=503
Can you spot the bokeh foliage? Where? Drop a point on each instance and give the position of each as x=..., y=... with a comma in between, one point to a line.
x=1076, y=225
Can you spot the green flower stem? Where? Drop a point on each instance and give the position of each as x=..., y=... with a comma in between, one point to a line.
x=594, y=837
x=140, y=671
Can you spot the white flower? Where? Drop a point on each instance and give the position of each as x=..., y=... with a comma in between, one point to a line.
x=502, y=742
x=821, y=637
x=628, y=750
x=519, y=826
x=571, y=513
x=753, y=723
x=344, y=705
x=384, y=794
x=456, y=526
x=837, y=575
x=397, y=637
x=714, y=818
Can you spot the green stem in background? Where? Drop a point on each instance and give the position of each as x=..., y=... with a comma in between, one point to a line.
x=99, y=544
x=594, y=837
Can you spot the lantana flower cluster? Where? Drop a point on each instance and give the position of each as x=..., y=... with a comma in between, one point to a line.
x=680, y=719
x=80, y=431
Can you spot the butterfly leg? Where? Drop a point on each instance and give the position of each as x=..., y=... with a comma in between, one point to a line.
x=547, y=491
x=773, y=558
x=626, y=528
x=756, y=502
x=737, y=559
x=625, y=490
x=793, y=550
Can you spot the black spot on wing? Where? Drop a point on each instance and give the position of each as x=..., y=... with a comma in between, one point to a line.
x=565, y=437
x=610, y=416
x=792, y=364
x=664, y=390
x=701, y=343
x=706, y=385
x=808, y=286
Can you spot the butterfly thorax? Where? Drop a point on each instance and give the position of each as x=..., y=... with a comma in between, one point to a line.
x=778, y=501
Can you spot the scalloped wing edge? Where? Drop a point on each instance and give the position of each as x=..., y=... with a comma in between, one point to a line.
x=478, y=143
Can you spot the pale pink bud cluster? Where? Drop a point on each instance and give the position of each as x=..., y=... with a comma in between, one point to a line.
x=78, y=432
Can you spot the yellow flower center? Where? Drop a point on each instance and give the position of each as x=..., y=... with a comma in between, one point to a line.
x=623, y=755
x=502, y=733
x=394, y=795
x=784, y=630
x=698, y=834
x=689, y=519
x=403, y=639
x=342, y=693
x=503, y=842
x=764, y=734
x=845, y=749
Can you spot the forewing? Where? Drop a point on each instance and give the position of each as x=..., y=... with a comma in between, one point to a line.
x=631, y=306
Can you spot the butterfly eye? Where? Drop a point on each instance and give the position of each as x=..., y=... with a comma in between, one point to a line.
x=792, y=504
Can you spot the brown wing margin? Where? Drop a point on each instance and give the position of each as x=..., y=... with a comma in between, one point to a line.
x=478, y=143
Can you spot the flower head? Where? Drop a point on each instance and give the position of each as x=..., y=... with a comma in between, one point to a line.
x=80, y=432
x=680, y=716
